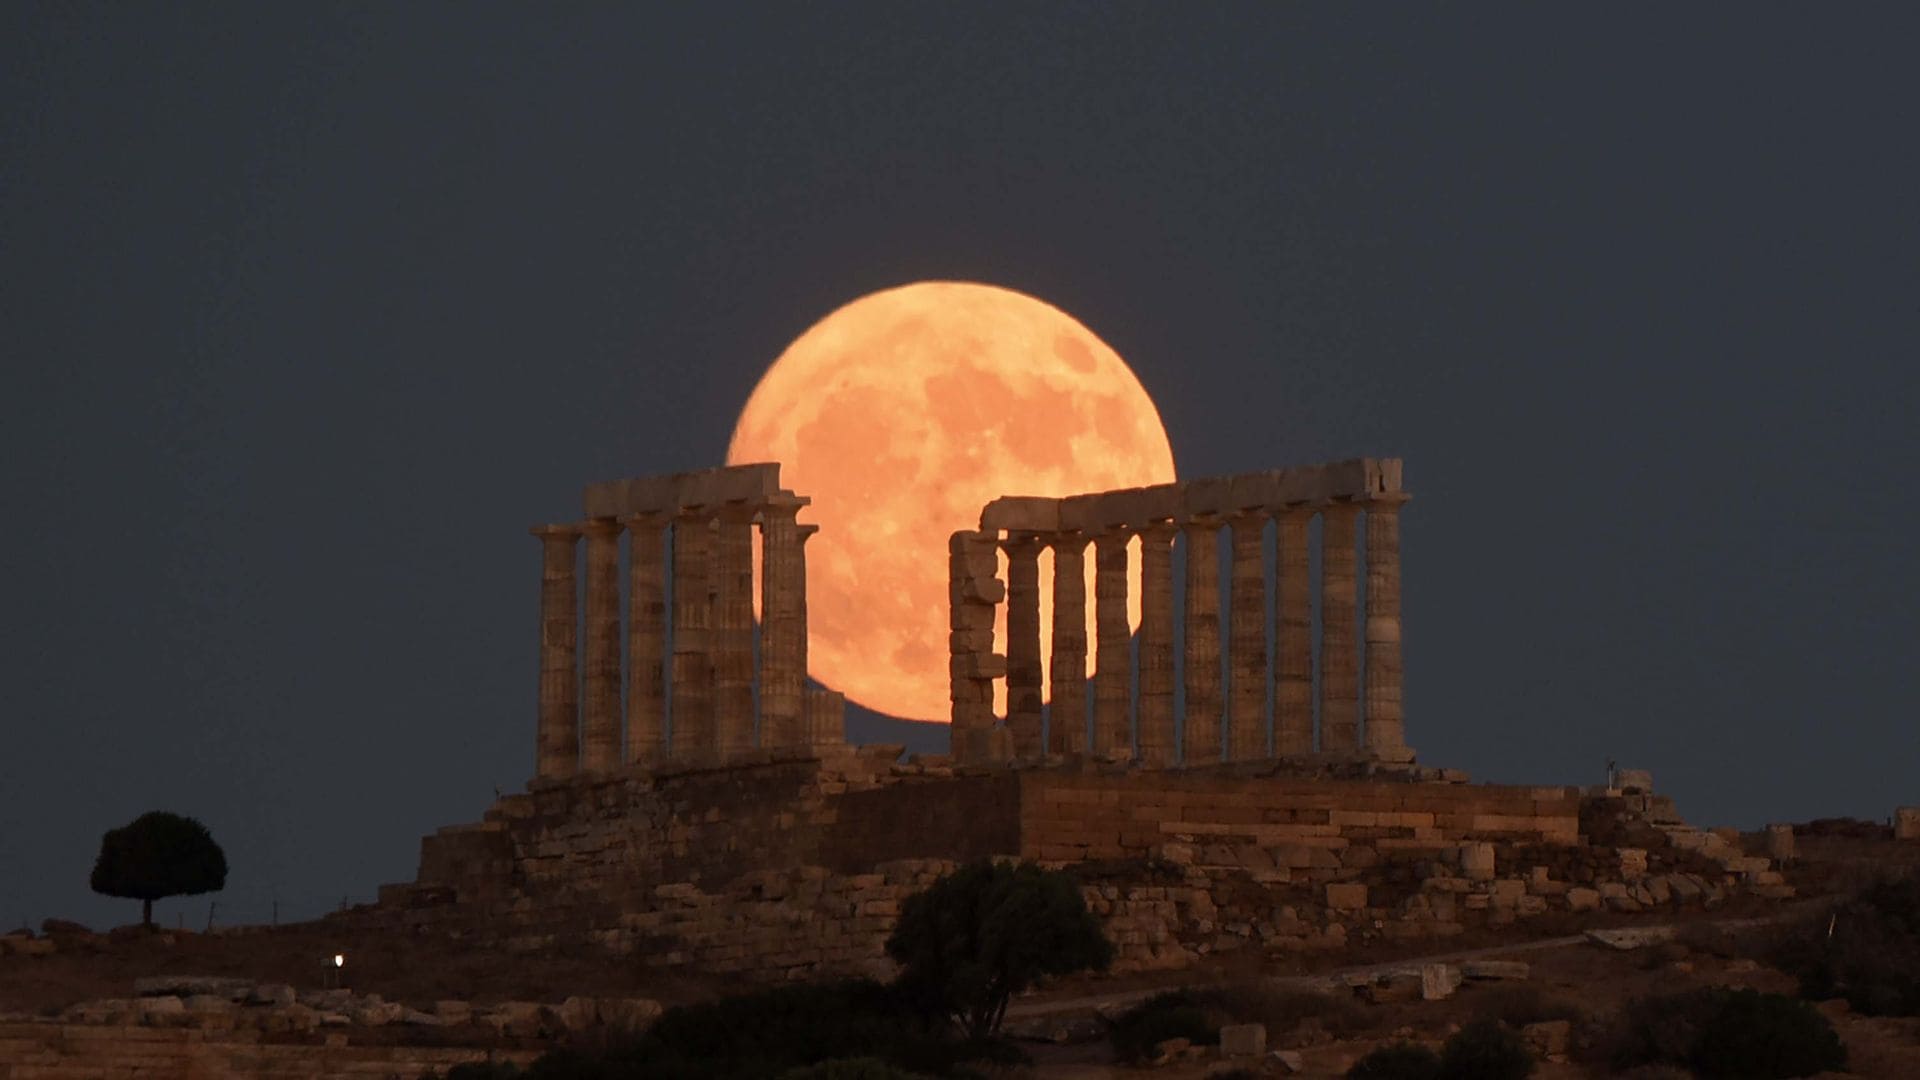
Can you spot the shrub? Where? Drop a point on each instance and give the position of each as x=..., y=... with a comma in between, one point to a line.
x=1518, y=1005
x=1756, y=1036
x=1485, y=1050
x=864, y=1068
x=155, y=856
x=1400, y=1061
x=1284, y=1010
x=987, y=931
x=1718, y=1032
x=1176, y=1014
x=1867, y=951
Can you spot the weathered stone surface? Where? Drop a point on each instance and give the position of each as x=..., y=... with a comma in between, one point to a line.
x=558, y=734
x=1113, y=670
x=1906, y=823
x=1026, y=707
x=1200, y=742
x=1067, y=670
x=1339, y=664
x=1514, y=970
x=1438, y=981
x=230, y=989
x=676, y=492
x=600, y=715
x=1247, y=640
x=1158, y=748
x=646, y=701
x=1629, y=938
x=1293, y=638
x=1243, y=1040
x=1385, y=730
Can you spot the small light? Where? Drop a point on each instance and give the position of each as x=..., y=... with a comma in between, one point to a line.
x=339, y=960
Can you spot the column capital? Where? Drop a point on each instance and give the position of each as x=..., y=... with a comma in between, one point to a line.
x=737, y=513
x=1385, y=500
x=1162, y=530
x=651, y=519
x=600, y=527
x=556, y=532
x=1072, y=538
x=1022, y=542
x=806, y=531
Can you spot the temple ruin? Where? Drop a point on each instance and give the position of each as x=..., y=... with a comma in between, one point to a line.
x=1124, y=718
x=705, y=811
x=711, y=704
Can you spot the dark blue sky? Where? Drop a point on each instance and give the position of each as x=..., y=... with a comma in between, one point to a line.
x=306, y=312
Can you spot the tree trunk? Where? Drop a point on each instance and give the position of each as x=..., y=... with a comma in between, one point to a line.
x=146, y=914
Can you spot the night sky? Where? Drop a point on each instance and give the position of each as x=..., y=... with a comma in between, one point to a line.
x=307, y=312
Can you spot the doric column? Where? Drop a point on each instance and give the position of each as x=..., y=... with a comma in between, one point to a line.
x=1113, y=668
x=1386, y=728
x=1157, y=747
x=732, y=646
x=1067, y=670
x=783, y=628
x=646, y=638
x=1339, y=670
x=974, y=592
x=693, y=539
x=1293, y=638
x=1201, y=740
x=557, y=738
x=1025, y=705
x=600, y=712
x=1247, y=641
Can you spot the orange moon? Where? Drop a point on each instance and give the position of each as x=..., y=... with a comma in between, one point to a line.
x=901, y=415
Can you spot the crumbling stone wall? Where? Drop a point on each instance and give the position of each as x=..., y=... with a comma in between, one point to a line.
x=785, y=869
x=57, y=1050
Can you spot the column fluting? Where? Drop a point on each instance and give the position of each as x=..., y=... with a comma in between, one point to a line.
x=692, y=717
x=1293, y=637
x=1113, y=660
x=1385, y=731
x=1247, y=640
x=1067, y=669
x=1200, y=741
x=732, y=646
x=646, y=638
x=557, y=735
x=1025, y=704
x=1157, y=746
x=1339, y=661
x=600, y=706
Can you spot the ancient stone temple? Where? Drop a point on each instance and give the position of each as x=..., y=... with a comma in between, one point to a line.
x=1225, y=718
x=693, y=693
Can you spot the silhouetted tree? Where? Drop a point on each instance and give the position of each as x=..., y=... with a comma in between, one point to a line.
x=985, y=932
x=155, y=856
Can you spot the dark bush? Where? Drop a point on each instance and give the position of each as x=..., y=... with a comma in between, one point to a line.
x=1867, y=951
x=987, y=931
x=1756, y=1036
x=1718, y=1032
x=1285, y=1010
x=1517, y=1005
x=1176, y=1014
x=1401, y=1061
x=1485, y=1050
x=864, y=1068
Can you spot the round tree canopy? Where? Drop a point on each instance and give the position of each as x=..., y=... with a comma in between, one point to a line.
x=159, y=855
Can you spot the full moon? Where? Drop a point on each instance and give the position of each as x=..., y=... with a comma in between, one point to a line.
x=901, y=415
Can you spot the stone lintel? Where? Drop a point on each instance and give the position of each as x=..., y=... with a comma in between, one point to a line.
x=1355, y=480
x=673, y=492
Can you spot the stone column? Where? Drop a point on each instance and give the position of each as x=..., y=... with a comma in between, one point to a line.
x=1113, y=674
x=1201, y=742
x=783, y=629
x=600, y=712
x=693, y=541
x=732, y=646
x=974, y=592
x=1293, y=638
x=1386, y=733
x=557, y=738
x=1157, y=747
x=1247, y=641
x=1025, y=705
x=646, y=638
x=1339, y=670
x=1067, y=670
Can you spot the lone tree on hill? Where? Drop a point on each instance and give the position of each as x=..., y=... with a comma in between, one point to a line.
x=985, y=932
x=156, y=856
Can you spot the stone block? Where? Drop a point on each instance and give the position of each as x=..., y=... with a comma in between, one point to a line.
x=1021, y=513
x=1438, y=981
x=1634, y=781
x=1780, y=843
x=1476, y=861
x=1243, y=1040
x=1582, y=899
x=1630, y=938
x=1347, y=895
x=1906, y=823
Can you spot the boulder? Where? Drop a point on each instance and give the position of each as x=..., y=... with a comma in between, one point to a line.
x=578, y=1013
x=272, y=994
x=629, y=1014
x=1243, y=1040
x=1438, y=981
x=191, y=985
x=1582, y=899
x=1290, y=1061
